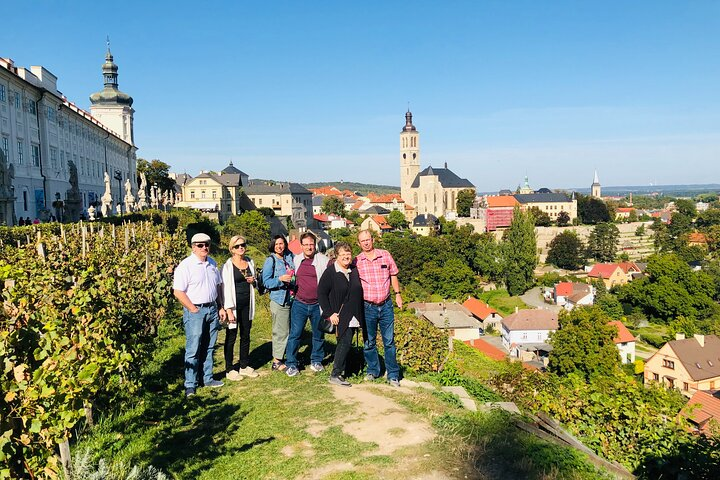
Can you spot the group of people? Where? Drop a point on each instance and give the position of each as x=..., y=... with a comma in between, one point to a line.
x=351, y=294
x=26, y=221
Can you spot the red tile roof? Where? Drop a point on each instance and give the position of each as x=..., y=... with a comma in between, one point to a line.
x=489, y=350
x=564, y=289
x=624, y=209
x=496, y=201
x=382, y=222
x=628, y=267
x=479, y=308
x=328, y=190
x=697, y=237
x=357, y=205
x=624, y=334
x=708, y=407
x=603, y=270
x=387, y=198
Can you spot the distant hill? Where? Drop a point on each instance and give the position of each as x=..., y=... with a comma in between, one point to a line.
x=363, y=188
x=668, y=190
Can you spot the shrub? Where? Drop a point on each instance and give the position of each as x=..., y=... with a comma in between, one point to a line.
x=421, y=346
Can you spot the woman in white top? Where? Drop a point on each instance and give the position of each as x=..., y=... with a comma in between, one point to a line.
x=238, y=275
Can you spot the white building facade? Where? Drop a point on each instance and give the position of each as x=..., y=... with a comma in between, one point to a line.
x=41, y=131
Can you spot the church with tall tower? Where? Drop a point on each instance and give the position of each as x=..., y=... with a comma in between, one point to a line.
x=595, y=190
x=111, y=106
x=430, y=191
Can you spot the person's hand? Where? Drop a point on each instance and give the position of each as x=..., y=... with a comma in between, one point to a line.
x=230, y=316
x=196, y=310
x=250, y=279
x=334, y=318
x=285, y=278
x=398, y=300
x=222, y=314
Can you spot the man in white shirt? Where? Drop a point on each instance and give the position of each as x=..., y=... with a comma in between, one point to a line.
x=197, y=284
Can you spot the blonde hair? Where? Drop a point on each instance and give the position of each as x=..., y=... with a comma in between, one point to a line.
x=234, y=240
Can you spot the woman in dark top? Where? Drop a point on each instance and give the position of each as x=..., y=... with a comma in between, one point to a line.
x=238, y=275
x=340, y=295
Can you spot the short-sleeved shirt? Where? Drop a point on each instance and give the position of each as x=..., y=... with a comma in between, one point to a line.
x=198, y=279
x=375, y=275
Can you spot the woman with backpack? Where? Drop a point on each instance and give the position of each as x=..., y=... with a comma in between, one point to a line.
x=278, y=276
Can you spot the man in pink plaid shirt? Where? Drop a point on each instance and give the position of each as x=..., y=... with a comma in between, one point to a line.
x=378, y=272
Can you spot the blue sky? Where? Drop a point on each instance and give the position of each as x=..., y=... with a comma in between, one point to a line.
x=317, y=91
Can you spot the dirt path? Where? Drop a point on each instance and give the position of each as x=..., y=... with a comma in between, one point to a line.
x=375, y=418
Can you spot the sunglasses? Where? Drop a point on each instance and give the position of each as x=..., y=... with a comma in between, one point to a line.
x=239, y=245
x=202, y=245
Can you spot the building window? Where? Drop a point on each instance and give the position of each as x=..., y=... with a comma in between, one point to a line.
x=25, y=200
x=686, y=387
x=31, y=107
x=656, y=377
x=6, y=148
x=18, y=101
x=35, y=154
x=202, y=193
x=53, y=158
x=214, y=194
x=192, y=194
x=3, y=93
x=669, y=364
x=20, y=152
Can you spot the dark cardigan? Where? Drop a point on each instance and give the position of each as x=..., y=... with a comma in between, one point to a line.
x=332, y=291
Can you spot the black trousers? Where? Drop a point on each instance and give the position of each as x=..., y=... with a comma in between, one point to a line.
x=341, y=351
x=243, y=328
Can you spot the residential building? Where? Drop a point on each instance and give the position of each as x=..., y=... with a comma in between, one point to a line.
x=625, y=342
x=286, y=199
x=376, y=223
x=551, y=203
x=703, y=411
x=432, y=190
x=623, y=213
x=388, y=201
x=219, y=195
x=698, y=239
x=572, y=294
x=452, y=317
x=42, y=133
x=330, y=222
x=424, y=224
x=688, y=364
x=488, y=316
x=528, y=331
x=611, y=274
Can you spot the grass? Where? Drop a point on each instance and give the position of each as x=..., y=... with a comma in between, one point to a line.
x=501, y=301
x=276, y=427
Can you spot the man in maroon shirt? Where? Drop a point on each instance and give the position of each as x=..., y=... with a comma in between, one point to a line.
x=309, y=267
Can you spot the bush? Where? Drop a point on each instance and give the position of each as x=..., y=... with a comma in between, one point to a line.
x=421, y=346
x=656, y=341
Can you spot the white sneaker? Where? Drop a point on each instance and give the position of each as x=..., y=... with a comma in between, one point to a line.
x=233, y=376
x=248, y=372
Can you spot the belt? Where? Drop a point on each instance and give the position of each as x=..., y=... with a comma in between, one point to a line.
x=203, y=305
x=379, y=304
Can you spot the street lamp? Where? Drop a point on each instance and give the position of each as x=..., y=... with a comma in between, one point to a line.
x=58, y=205
x=118, y=177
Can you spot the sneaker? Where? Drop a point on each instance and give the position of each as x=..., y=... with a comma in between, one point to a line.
x=292, y=371
x=394, y=382
x=370, y=377
x=214, y=384
x=189, y=392
x=339, y=381
x=316, y=367
x=248, y=372
x=233, y=376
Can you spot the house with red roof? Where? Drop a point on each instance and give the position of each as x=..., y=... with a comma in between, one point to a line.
x=703, y=411
x=571, y=294
x=611, y=274
x=376, y=223
x=625, y=342
x=525, y=333
x=486, y=348
x=698, y=239
x=329, y=221
x=389, y=201
x=623, y=213
x=488, y=316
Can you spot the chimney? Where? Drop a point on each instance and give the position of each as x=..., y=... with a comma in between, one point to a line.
x=679, y=336
x=700, y=339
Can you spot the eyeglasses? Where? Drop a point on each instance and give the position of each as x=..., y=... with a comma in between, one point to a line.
x=308, y=244
x=202, y=245
x=239, y=245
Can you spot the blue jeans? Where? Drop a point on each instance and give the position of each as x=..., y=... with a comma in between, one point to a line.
x=299, y=313
x=201, y=331
x=384, y=317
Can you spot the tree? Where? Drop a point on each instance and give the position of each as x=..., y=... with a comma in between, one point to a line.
x=542, y=219
x=563, y=219
x=333, y=205
x=519, y=249
x=465, y=199
x=156, y=173
x=397, y=220
x=584, y=344
x=252, y=225
x=603, y=242
x=452, y=279
x=686, y=207
x=488, y=258
x=592, y=210
x=566, y=251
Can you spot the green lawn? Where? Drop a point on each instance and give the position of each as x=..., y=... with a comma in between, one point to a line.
x=501, y=301
x=265, y=427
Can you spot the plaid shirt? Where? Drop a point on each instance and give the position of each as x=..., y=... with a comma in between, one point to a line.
x=375, y=275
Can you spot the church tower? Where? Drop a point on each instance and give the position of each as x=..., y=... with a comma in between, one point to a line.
x=409, y=158
x=595, y=187
x=110, y=106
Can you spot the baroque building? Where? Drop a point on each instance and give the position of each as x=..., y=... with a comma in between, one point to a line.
x=433, y=190
x=42, y=132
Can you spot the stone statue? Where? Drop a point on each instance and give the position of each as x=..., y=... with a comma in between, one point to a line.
x=142, y=194
x=73, y=198
x=106, y=199
x=7, y=195
x=153, y=197
x=129, y=197
x=91, y=213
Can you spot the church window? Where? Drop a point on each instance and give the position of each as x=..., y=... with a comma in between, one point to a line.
x=414, y=156
x=404, y=156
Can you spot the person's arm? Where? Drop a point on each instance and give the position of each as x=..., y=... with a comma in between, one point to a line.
x=220, y=303
x=396, y=289
x=185, y=300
